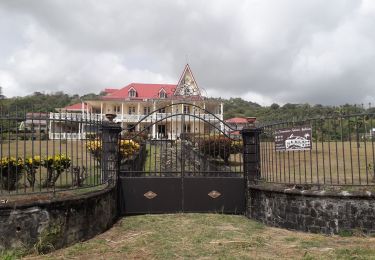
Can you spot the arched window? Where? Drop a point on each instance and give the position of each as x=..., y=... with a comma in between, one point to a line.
x=132, y=93
x=162, y=94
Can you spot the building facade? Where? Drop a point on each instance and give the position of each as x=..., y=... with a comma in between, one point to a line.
x=160, y=109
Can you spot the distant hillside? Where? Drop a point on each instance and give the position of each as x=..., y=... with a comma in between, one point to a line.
x=233, y=107
x=40, y=102
x=237, y=107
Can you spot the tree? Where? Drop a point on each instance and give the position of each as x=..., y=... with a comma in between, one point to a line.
x=274, y=106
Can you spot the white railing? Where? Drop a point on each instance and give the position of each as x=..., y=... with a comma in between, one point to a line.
x=129, y=118
x=76, y=116
x=67, y=136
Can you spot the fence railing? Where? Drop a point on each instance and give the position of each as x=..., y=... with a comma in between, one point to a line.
x=41, y=154
x=341, y=152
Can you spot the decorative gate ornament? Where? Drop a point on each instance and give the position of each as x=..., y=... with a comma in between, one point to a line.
x=150, y=195
x=214, y=194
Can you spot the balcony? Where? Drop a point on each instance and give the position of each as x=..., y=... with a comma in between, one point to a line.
x=76, y=116
x=66, y=136
x=130, y=118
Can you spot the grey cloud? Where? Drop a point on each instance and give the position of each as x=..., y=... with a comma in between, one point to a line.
x=279, y=51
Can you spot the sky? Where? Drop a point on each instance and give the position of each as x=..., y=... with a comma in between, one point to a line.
x=265, y=51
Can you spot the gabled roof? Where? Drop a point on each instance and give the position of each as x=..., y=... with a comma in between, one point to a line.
x=110, y=90
x=151, y=91
x=144, y=91
x=187, y=81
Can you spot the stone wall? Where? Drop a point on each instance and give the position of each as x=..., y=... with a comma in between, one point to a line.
x=51, y=224
x=312, y=211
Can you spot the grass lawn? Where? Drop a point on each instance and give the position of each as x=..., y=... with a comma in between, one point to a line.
x=210, y=236
x=327, y=162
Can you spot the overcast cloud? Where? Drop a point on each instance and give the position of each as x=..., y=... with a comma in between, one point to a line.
x=280, y=51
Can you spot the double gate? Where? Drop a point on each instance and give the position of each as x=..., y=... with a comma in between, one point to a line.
x=188, y=161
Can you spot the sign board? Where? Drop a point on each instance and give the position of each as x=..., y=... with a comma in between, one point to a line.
x=293, y=139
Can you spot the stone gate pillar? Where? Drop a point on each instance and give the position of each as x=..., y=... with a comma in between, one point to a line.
x=110, y=155
x=251, y=156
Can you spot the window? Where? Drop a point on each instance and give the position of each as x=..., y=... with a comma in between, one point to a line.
x=116, y=109
x=187, y=128
x=131, y=110
x=146, y=110
x=132, y=93
x=186, y=110
x=162, y=110
x=162, y=94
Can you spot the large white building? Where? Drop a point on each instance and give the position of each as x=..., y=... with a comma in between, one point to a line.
x=165, y=110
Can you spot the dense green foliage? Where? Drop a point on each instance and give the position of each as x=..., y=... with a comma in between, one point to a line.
x=237, y=107
x=233, y=107
x=40, y=102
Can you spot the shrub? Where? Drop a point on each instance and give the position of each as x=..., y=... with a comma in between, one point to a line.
x=11, y=171
x=55, y=165
x=219, y=146
x=31, y=165
x=127, y=148
x=138, y=137
x=95, y=148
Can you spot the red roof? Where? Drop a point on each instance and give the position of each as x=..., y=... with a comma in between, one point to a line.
x=110, y=90
x=237, y=120
x=144, y=91
x=77, y=106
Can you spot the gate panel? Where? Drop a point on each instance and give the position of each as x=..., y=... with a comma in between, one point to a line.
x=151, y=194
x=187, y=161
x=210, y=194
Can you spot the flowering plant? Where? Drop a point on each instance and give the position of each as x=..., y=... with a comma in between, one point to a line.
x=95, y=148
x=127, y=148
x=11, y=169
x=55, y=165
x=31, y=165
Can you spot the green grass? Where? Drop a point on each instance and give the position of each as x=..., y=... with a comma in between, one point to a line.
x=211, y=236
x=327, y=162
x=152, y=163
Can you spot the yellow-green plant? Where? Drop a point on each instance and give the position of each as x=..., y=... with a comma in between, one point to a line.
x=127, y=148
x=31, y=165
x=55, y=165
x=11, y=171
x=95, y=148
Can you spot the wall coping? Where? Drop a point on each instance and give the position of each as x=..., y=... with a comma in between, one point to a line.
x=13, y=205
x=313, y=193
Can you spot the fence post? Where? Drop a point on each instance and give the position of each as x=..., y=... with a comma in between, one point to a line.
x=110, y=163
x=251, y=156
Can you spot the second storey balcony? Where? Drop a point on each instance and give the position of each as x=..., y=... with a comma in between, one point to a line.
x=133, y=118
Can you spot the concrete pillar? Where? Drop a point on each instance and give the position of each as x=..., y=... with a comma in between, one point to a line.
x=110, y=155
x=153, y=120
x=139, y=116
x=101, y=111
x=122, y=114
x=251, y=154
x=221, y=118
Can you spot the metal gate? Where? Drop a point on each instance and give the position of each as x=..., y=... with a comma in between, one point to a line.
x=181, y=158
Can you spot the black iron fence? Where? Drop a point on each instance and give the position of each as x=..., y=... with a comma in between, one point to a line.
x=49, y=152
x=182, y=144
x=330, y=151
